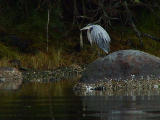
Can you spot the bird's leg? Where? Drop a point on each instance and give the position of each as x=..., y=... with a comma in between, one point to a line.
x=100, y=53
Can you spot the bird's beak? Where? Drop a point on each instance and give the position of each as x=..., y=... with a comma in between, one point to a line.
x=85, y=28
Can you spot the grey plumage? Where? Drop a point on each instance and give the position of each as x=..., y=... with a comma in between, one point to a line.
x=96, y=34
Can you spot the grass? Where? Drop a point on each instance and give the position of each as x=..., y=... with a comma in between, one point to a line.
x=41, y=60
x=62, y=50
x=50, y=60
x=66, y=55
x=64, y=37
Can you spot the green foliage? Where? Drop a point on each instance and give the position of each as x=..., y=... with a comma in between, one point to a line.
x=30, y=26
x=27, y=20
x=148, y=21
x=137, y=1
x=7, y=52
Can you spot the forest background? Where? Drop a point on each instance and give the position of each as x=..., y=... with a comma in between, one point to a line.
x=44, y=34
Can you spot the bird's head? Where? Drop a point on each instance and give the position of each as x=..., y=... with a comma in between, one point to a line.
x=87, y=27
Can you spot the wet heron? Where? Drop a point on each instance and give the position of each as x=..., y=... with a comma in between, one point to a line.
x=96, y=34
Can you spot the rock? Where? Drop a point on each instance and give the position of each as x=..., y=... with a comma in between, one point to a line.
x=121, y=65
x=10, y=78
x=55, y=75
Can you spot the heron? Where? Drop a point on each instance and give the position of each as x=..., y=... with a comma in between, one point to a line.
x=98, y=35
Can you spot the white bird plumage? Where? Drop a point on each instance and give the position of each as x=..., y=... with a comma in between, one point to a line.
x=96, y=34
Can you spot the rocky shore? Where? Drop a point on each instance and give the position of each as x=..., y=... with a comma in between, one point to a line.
x=58, y=74
x=12, y=78
x=121, y=69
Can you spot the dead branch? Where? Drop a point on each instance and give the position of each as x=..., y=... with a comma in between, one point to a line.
x=106, y=18
x=151, y=37
x=138, y=33
x=75, y=12
x=47, y=28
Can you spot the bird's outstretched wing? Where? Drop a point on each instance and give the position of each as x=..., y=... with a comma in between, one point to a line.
x=100, y=37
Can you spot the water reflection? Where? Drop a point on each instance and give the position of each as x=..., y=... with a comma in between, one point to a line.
x=37, y=101
x=123, y=107
x=121, y=92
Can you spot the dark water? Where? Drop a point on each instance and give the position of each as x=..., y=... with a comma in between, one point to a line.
x=57, y=101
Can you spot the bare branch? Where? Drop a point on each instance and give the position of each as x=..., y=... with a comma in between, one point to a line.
x=47, y=28
x=138, y=33
x=151, y=37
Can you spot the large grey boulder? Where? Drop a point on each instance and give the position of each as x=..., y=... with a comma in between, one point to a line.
x=121, y=66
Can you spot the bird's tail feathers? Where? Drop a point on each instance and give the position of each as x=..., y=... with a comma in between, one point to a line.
x=105, y=47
